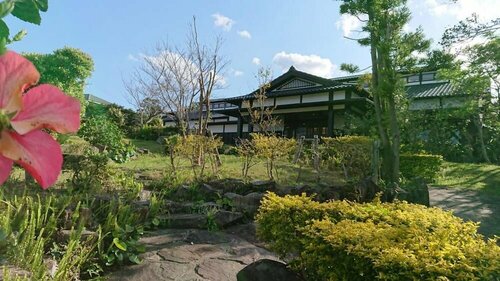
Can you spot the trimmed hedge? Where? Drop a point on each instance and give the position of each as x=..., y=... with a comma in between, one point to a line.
x=425, y=166
x=151, y=132
x=340, y=240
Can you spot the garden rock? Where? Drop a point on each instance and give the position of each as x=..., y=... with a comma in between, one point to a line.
x=266, y=270
x=231, y=185
x=248, y=204
x=143, y=150
x=189, y=254
x=184, y=221
x=208, y=192
x=417, y=193
x=227, y=218
x=263, y=186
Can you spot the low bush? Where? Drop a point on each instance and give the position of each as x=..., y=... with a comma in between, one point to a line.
x=151, y=132
x=352, y=153
x=341, y=240
x=423, y=166
x=102, y=133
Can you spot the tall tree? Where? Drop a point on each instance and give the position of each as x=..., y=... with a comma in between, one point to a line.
x=477, y=75
x=391, y=51
x=67, y=68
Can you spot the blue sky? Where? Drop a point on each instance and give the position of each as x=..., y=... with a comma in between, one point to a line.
x=307, y=34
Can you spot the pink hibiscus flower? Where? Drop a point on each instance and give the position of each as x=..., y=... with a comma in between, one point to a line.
x=22, y=116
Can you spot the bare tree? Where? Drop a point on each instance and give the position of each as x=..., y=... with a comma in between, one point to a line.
x=180, y=78
x=260, y=112
x=209, y=65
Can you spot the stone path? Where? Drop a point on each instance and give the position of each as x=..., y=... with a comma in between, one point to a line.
x=469, y=206
x=190, y=254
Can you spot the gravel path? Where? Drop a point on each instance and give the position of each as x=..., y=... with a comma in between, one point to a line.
x=469, y=206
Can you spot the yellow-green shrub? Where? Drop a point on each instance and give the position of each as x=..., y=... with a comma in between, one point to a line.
x=425, y=166
x=341, y=240
x=272, y=148
x=352, y=153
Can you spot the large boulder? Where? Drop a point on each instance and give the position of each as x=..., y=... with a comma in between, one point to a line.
x=248, y=204
x=263, y=185
x=266, y=270
x=224, y=219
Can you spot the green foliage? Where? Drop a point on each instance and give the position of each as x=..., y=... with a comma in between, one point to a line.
x=25, y=10
x=352, y=153
x=125, y=245
x=90, y=170
x=423, y=166
x=340, y=240
x=272, y=148
x=149, y=132
x=107, y=137
x=67, y=68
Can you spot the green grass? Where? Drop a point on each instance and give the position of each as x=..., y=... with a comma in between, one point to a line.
x=156, y=165
x=484, y=178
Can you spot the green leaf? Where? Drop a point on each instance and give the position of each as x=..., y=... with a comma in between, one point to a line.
x=129, y=229
x=156, y=222
x=6, y=8
x=119, y=244
x=27, y=10
x=20, y=35
x=43, y=5
x=134, y=259
x=4, y=30
x=3, y=45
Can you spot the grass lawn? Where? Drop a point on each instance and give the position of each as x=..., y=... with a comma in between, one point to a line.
x=156, y=165
x=484, y=178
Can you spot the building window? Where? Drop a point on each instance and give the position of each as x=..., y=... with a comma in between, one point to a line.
x=427, y=76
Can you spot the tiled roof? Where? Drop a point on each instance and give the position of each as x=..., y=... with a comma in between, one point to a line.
x=440, y=89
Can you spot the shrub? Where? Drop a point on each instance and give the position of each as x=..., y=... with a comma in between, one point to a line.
x=272, y=148
x=106, y=136
x=352, y=153
x=340, y=240
x=151, y=132
x=422, y=166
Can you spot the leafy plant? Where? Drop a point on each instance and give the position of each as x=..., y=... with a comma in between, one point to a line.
x=125, y=245
x=340, y=240
x=107, y=137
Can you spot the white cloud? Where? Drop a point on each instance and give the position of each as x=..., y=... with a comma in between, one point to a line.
x=486, y=9
x=223, y=21
x=348, y=24
x=256, y=61
x=238, y=73
x=244, y=34
x=313, y=64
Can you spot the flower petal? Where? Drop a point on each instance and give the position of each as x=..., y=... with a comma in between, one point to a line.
x=46, y=106
x=37, y=152
x=16, y=75
x=5, y=168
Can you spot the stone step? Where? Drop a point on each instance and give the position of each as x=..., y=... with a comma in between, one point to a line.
x=200, y=221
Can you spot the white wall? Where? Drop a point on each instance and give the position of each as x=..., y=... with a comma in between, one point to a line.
x=287, y=100
x=216, y=128
x=315, y=97
x=231, y=128
x=339, y=95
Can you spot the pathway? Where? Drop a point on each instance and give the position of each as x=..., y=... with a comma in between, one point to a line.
x=182, y=255
x=469, y=206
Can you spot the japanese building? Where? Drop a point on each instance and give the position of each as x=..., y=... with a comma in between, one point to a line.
x=309, y=105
